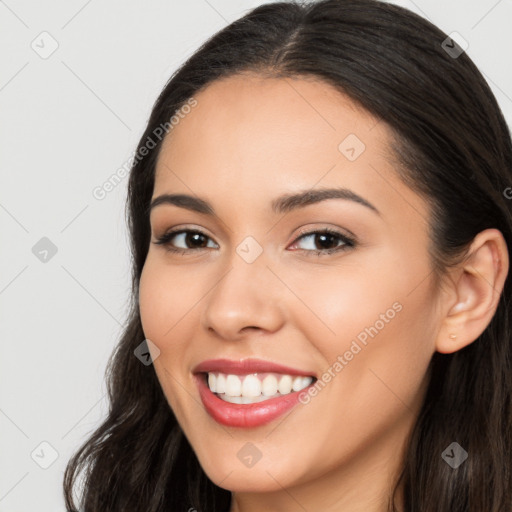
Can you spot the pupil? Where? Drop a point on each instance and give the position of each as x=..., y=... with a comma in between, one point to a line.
x=323, y=236
x=194, y=235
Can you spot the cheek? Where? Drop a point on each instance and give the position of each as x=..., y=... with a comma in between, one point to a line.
x=166, y=305
x=382, y=299
x=337, y=305
x=376, y=328
x=165, y=300
x=151, y=302
x=374, y=363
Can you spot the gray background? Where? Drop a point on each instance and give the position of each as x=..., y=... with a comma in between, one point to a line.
x=68, y=121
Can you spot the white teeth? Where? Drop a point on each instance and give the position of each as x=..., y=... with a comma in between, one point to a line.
x=212, y=381
x=306, y=381
x=220, y=385
x=244, y=399
x=285, y=385
x=233, y=385
x=297, y=384
x=254, y=388
x=269, y=385
x=251, y=387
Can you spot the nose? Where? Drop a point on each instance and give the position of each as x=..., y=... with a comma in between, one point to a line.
x=246, y=296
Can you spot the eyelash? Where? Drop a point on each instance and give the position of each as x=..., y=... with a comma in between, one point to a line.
x=347, y=241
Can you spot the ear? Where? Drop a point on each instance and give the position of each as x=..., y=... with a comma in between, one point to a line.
x=474, y=292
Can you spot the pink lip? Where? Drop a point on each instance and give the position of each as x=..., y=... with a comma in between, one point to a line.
x=244, y=415
x=244, y=366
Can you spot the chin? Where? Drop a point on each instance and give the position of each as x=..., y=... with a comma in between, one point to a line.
x=262, y=477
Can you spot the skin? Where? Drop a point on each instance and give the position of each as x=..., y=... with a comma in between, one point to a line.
x=249, y=140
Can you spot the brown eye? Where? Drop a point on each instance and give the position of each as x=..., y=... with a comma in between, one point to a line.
x=192, y=239
x=328, y=240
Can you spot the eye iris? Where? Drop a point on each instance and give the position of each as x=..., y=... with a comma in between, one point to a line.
x=322, y=237
x=192, y=237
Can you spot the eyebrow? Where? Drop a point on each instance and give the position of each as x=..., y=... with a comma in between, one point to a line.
x=282, y=204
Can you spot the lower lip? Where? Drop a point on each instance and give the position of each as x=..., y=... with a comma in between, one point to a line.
x=245, y=415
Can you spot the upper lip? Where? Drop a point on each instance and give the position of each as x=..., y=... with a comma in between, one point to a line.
x=246, y=366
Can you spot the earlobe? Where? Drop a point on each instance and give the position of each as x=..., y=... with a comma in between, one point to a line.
x=477, y=290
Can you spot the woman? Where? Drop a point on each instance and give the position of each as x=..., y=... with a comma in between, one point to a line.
x=289, y=373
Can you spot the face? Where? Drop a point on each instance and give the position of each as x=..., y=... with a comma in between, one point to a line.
x=333, y=330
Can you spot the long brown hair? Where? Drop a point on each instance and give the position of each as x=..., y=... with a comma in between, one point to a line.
x=451, y=144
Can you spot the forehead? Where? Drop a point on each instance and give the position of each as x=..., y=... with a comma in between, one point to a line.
x=290, y=108
x=260, y=136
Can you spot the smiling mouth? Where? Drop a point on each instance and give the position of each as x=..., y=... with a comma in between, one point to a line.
x=253, y=388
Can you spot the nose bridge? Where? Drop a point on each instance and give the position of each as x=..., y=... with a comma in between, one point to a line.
x=246, y=293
